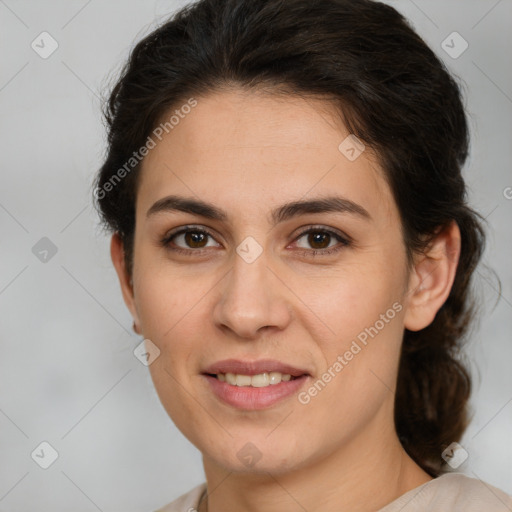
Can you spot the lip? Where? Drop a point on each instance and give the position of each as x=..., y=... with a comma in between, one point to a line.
x=248, y=398
x=254, y=367
x=252, y=398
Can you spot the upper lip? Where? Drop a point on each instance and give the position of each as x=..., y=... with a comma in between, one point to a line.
x=254, y=367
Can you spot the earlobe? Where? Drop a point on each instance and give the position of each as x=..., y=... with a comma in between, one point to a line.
x=432, y=278
x=125, y=280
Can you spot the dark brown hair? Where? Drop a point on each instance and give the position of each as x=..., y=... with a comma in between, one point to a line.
x=391, y=91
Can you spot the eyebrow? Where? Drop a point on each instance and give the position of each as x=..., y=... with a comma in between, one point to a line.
x=284, y=212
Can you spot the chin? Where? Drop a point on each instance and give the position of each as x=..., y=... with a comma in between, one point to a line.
x=256, y=454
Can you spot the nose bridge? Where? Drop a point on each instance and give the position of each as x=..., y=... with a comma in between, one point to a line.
x=252, y=296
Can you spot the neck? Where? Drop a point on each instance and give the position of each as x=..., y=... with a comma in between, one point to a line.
x=362, y=476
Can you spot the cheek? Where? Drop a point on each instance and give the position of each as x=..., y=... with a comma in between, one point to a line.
x=167, y=299
x=168, y=307
x=361, y=362
x=347, y=302
x=358, y=326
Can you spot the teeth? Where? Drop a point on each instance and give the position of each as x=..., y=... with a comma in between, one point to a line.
x=243, y=380
x=256, y=381
x=231, y=379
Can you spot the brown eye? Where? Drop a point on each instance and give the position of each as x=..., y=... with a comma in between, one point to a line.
x=321, y=241
x=195, y=239
x=188, y=239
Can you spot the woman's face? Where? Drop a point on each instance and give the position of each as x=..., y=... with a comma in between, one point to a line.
x=253, y=290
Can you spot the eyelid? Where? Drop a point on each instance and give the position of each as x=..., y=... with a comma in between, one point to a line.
x=183, y=229
x=343, y=238
x=326, y=229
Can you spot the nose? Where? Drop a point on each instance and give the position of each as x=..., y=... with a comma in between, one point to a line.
x=252, y=299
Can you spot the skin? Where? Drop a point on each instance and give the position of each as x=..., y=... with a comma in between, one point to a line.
x=248, y=153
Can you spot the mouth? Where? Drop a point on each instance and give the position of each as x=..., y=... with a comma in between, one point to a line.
x=254, y=385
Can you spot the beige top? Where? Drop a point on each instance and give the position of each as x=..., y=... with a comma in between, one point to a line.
x=451, y=492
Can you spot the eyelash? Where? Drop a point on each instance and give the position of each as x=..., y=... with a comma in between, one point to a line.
x=344, y=241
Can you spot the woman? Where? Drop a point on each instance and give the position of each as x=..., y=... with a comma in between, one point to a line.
x=283, y=183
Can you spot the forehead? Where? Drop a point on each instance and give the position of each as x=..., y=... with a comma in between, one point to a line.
x=257, y=150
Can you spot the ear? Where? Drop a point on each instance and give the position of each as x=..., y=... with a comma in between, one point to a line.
x=118, y=259
x=432, y=277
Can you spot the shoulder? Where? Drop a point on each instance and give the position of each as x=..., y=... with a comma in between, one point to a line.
x=453, y=492
x=187, y=502
x=471, y=493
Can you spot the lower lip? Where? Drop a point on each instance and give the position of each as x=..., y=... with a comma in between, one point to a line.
x=251, y=398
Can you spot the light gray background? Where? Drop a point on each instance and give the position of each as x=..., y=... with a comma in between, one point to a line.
x=67, y=372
